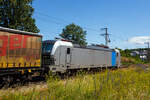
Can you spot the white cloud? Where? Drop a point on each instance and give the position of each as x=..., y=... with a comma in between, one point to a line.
x=139, y=39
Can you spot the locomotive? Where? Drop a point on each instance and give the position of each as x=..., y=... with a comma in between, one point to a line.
x=61, y=55
x=23, y=53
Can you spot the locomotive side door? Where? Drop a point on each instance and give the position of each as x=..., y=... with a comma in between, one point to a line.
x=68, y=57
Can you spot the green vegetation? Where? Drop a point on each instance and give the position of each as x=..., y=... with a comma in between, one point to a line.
x=127, y=59
x=126, y=84
x=74, y=33
x=17, y=14
x=131, y=60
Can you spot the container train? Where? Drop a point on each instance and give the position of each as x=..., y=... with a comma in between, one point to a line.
x=23, y=53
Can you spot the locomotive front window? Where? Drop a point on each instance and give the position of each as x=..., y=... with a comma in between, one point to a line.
x=47, y=47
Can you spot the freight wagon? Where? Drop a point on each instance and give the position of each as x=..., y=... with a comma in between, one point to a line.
x=60, y=56
x=20, y=53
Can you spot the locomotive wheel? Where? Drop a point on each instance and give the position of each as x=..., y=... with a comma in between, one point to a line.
x=1, y=83
x=7, y=81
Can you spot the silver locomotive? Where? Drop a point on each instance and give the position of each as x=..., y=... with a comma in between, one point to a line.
x=61, y=55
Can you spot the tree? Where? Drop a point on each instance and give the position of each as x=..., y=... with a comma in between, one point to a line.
x=74, y=33
x=17, y=14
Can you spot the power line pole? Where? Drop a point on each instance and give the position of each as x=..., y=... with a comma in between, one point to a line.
x=148, y=44
x=107, y=40
x=148, y=51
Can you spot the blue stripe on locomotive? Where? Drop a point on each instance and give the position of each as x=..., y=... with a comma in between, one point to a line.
x=113, y=59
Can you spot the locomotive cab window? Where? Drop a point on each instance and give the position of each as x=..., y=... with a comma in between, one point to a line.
x=68, y=50
x=47, y=47
x=117, y=54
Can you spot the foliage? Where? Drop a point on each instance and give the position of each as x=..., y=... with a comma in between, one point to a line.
x=131, y=60
x=126, y=57
x=17, y=14
x=128, y=84
x=74, y=33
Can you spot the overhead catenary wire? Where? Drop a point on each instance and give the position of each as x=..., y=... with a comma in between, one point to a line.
x=59, y=21
x=46, y=18
x=47, y=33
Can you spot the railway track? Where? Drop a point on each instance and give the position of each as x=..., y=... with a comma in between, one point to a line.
x=21, y=82
x=42, y=80
x=24, y=81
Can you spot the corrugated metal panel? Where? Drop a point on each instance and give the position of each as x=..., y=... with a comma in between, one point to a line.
x=18, y=50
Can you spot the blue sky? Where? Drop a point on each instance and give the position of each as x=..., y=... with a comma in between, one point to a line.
x=125, y=19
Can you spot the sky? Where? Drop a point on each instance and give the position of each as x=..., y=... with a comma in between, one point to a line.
x=128, y=21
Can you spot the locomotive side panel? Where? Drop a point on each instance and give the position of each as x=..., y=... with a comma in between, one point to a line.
x=102, y=58
x=82, y=58
x=62, y=55
x=18, y=50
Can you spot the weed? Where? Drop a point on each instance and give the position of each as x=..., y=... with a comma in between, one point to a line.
x=130, y=84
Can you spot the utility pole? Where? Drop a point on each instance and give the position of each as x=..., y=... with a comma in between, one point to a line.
x=148, y=51
x=107, y=40
x=147, y=44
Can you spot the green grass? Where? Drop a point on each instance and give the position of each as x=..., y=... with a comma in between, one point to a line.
x=128, y=84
